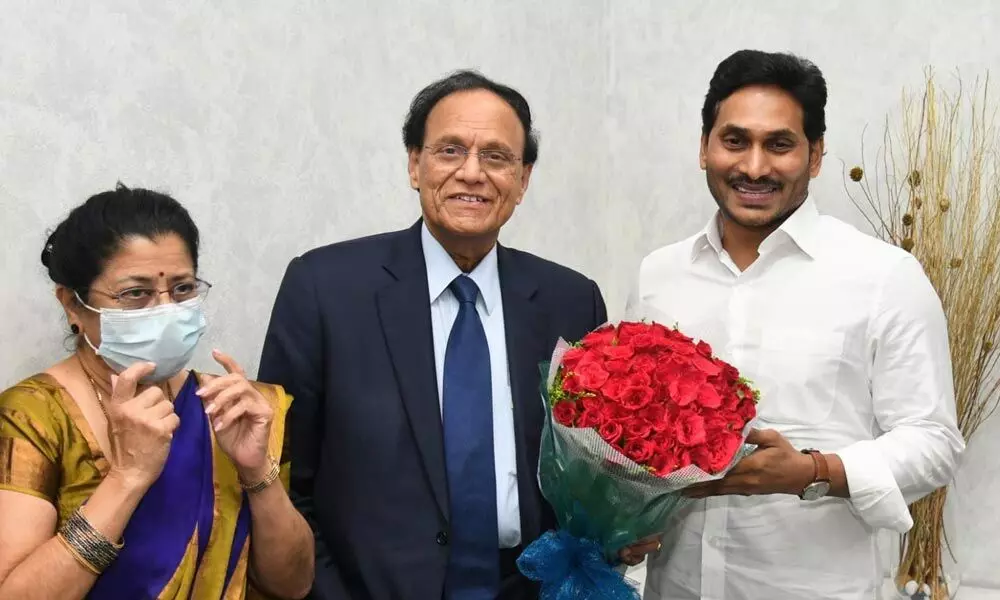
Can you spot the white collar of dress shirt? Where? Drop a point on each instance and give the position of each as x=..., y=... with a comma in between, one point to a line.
x=442, y=270
x=800, y=228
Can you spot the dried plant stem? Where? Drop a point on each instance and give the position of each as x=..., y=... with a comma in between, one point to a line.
x=935, y=191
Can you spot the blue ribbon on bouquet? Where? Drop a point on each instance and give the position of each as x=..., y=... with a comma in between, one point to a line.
x=572, y=568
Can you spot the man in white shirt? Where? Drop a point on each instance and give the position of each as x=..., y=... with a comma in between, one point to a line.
x=843, y=335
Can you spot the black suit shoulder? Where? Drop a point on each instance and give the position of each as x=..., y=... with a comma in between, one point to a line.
x=373, y=249
x=551, y=274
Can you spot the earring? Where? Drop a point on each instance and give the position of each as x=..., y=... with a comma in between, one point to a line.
x=75, y=329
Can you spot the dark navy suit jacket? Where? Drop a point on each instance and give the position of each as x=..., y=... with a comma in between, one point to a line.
x=350, y=338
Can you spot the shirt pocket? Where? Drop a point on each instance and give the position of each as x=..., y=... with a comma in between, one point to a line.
x=798, y=374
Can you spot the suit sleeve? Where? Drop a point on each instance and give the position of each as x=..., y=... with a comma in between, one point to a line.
x=293, y=358
x=600, y=310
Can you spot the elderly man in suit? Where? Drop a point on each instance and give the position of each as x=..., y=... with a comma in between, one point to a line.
x=413, y=359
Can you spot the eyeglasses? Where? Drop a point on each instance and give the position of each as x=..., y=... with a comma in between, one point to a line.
x=454, y=156
x=138, y=297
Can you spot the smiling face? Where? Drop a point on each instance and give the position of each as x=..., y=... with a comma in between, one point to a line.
x=757, y=159
x=467, y=199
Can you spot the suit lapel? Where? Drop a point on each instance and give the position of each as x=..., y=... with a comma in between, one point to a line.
x=406, y=323
x=526, y=336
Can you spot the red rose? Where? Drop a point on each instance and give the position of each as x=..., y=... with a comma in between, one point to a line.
x=690, y=428
x=704, y=349
x=715, y=456
x=747, y=410
x=617, y=367
x=678, y=347
x=618, y=352
x=708, y=397
x=572, y=357
x=716, y=422
x=702, y=458
x=565, y=412
x=611, y=432
x=592, y=402
x=592, y=376
x=590, y=418
x=637, y=429
x=614, y=388
x=656, y=416
x=640, y=380
x=705, y=365
x=640, y=450
x=602, y=336
x=664, y=461
x=668, y=371
x=675, y=334
x=733, y=419
x=683, y=458
x=668, y=459
x=627, y=330
x=729, y=373
x=635, y=398
x=659, y=331
x=571, y=384
x=684, y=391
x=730, y=400
x=643, y=342
x=643, y=363
x=744, y=391
x=614, y=412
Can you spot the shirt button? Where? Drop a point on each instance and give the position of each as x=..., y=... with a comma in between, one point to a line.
x=442, y=538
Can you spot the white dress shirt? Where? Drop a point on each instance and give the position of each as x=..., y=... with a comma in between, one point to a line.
x=846, y=340
x=441, y=271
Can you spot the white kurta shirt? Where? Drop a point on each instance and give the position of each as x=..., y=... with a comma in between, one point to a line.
x=846, y=340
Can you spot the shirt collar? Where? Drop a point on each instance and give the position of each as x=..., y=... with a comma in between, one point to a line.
x=442, y=270
x=800, y=228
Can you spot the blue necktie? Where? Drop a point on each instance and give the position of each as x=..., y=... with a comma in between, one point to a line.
x=474, y=563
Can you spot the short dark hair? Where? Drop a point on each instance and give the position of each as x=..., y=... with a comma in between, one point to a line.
x=415, y=126
x=799, y=77
x=77, y=251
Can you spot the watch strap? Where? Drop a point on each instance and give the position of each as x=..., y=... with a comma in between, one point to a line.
x=822, y=468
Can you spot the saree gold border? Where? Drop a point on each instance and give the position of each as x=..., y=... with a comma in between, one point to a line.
x=279, y=401
x=240, y=586
x=22, y=466
x=182, y=580
x=75, y=414
x=228, y=499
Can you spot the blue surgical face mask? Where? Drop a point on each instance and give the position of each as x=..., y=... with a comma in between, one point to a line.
x=165, y=334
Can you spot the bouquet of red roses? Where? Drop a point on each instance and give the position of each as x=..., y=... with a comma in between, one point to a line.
x=636, y=412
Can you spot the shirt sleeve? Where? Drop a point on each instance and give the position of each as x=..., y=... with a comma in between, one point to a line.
x=919, y=446
x=29, y=443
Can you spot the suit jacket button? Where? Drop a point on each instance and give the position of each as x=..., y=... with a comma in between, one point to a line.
x=442, y=538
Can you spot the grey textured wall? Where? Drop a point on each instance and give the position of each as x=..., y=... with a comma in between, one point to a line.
x=277, y=123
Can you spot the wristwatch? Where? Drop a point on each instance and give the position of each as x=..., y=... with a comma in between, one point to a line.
x=820, y=485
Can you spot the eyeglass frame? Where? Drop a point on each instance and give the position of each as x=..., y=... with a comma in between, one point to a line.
x=464, y=153
x=157, y=292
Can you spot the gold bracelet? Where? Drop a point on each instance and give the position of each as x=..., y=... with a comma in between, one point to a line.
x=271, y=477
x=76, y=555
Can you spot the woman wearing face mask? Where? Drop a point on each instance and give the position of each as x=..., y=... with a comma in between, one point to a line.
x=122, y=475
